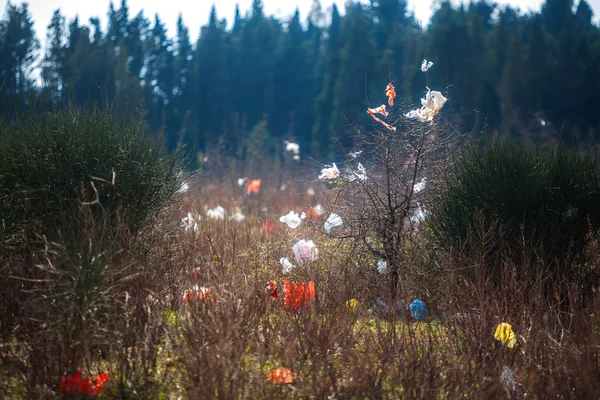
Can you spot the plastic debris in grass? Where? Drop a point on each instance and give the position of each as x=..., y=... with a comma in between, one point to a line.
x=419, y=216
x=332, y=221
x=312, y=213
x=505, y=334
x=272, y=289
x=196, y=271
x=291, y=219
x=379, y=307
x=319, y=209
x=216, y=213
x=400, y=307
x=352, y=305
x=418, y=310
x=305, y=249
x=76, y=385
x=253, y=186
x=298, y=296
x=286, y=265
x=268, y=228
x=197, y=293
x=190, y=222
x=237, y=217
x=281, y=375
x=382, y=267
x=292, y=147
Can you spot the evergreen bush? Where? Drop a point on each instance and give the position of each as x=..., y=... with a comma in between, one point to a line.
x=509, y=200
x=77, y=192
x=52, y=165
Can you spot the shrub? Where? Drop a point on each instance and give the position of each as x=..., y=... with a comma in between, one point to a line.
x=504, y=198
x=50, y=166
x=80, y=193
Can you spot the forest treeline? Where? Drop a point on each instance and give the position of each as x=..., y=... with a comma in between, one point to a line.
x=247, y=86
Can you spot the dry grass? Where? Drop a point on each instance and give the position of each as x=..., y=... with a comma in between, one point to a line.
x=153, y=346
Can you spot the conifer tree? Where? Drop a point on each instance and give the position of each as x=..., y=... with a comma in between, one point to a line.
x=535, y=96
x=18, y=45
x=211, y=84
x=358, y=67
x=257, y=44
x=311, y=83
x=137, y=29
x=512, y=86
x=183, y=93
x=54, y=58
x=583, y=17
x=159, y=79
x=556, y=14
x=117, y=23
x=321, y=143
x=292, y=83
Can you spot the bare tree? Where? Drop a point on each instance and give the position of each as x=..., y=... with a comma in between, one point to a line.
x=381, y=192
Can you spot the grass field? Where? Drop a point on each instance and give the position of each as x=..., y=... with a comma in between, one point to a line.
x=145, y=323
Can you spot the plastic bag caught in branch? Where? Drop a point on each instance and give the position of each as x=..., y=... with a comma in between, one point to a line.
x=291, y=219
x=286, y=265
x=378, y=110
x=305, y=249
x=390, y=94
x=360, y=174
x=328, y=173
x=385, y=124
x=418, y=187
x=425, y=65
x=431, y=105
x=332, y=221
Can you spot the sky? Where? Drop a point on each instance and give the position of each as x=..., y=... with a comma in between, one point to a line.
x=196, y=12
